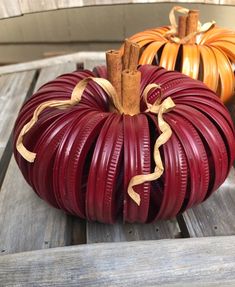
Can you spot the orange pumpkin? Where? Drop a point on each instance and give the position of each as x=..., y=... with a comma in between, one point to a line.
x=204, y=52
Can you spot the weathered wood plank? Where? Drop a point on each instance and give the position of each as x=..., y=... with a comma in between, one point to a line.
x=226, y=2
x=90, y=62
x=26, y=222
x=180, y=262
x=38, y=64
x=98, y=232
x=29, y=6
x=10, y=8
x=216, y=215
x=51, y=72
x=13, y=91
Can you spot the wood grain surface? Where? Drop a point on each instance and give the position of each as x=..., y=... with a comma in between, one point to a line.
x=176, y=262
x=27, y=222
x=90, y=57
x=215, y=216
x=14, y=89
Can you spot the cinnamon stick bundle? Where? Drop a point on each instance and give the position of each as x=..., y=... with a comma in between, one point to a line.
x=187, y=25
x=123, y=75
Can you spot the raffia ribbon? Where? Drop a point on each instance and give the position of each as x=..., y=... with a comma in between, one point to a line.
x=158, y=109
x=63, y=104
x=173, y=31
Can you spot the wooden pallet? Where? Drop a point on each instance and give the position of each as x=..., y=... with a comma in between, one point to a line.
x=42, y=246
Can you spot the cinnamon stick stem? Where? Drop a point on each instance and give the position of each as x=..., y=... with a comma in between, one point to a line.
x=131, y=91
x=114, y=70
x=191, y=24
x=131, y=80
x=134, y=57
x=182, y=26
x=126, y=55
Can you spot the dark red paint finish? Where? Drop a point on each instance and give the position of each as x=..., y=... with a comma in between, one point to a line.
x=87, y=155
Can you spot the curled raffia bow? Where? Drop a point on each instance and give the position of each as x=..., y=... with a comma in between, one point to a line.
x=172, y=33
x=156, y=108
x=63, y=104
x=159, y=109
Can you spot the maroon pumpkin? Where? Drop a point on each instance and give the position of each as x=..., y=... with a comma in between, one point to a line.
x=87, y=155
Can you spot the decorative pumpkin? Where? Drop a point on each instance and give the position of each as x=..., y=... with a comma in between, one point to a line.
x=100, y=156
x=204, y=52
